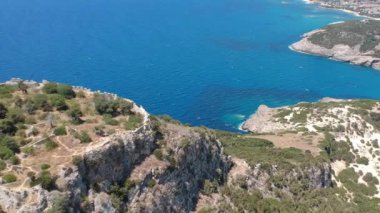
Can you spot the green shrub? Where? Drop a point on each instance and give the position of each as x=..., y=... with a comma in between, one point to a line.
x=14, y=160
x=50, y=88
x=129, y=184
x=75, y=113
x=16, y=115
x=134, y=121
x=61, y=130
x=9, y=178
x=370, y=179
x=3, y=165
x=209, y=187
x=58, y=102
x=45, y=166
x=3, y=111
x=362, y=160
x=45, y=180
x=9, y=143
x=110, y=121
x=158, y=154
x=106, y=104
x=5, y=153
x=76, y=160
x=41, y=101
x=7, y=127
x=6, y=91
x=50, y=144
x=60, y=204
x=151, y=183
x=66, y=91
x=29, y=150
x=83, y=137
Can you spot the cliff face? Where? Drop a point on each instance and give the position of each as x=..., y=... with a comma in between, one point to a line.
x=356, y=42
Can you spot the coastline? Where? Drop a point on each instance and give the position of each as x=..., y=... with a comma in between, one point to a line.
x=357, y=14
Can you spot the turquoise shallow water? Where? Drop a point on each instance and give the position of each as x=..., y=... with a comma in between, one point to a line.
x=203, y=62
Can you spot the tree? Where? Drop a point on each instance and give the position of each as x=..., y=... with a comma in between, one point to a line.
x=3, y=111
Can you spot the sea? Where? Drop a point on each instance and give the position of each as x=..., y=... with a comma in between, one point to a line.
x=203, y=62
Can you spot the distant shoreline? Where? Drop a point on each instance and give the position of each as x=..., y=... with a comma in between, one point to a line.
x=344, y=10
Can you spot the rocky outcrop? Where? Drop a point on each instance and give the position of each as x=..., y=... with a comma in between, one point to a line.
x=178, y=187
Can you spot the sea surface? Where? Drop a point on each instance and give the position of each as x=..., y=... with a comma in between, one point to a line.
x=204, y=62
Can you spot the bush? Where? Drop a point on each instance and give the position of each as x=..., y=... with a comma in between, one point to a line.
x=50, y=88
x=60, y=131
x=50, y=144
x=99, y=130
x=105, y=104
x=3, y=165
x=16, y=115
x=45, y=180
x=83, y=137
x=75, y=113
x=370, y=179
x=7, y=127
x=5, y=153
x=28, y=150
x=9, y=178
x=362, y=160
x=60, y=204
x=3, y=111
x=110, y=121
x=6, y=91
x=45, y=166
x=158, y=154
x=151, y=183
x=14, y=160
x=66, y=91
x=133, y=122
x=209, y=187
x=40, y=101
x=10, y=143
x=76, y=160
x=129, y=184
x=58, y=102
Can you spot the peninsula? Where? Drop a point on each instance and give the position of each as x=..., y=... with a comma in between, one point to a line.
x=357, y=42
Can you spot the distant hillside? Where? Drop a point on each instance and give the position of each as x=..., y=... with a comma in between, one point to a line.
x=369, y=8
x=357, y=42
x=68, y=149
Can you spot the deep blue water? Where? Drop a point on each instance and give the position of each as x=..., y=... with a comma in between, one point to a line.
x=205, y=62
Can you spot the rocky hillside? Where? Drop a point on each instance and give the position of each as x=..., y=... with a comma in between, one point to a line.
x=68, y=149
x=351, y=130
x=357, y=42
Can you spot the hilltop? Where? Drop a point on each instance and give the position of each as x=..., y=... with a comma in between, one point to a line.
x=69, y=149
